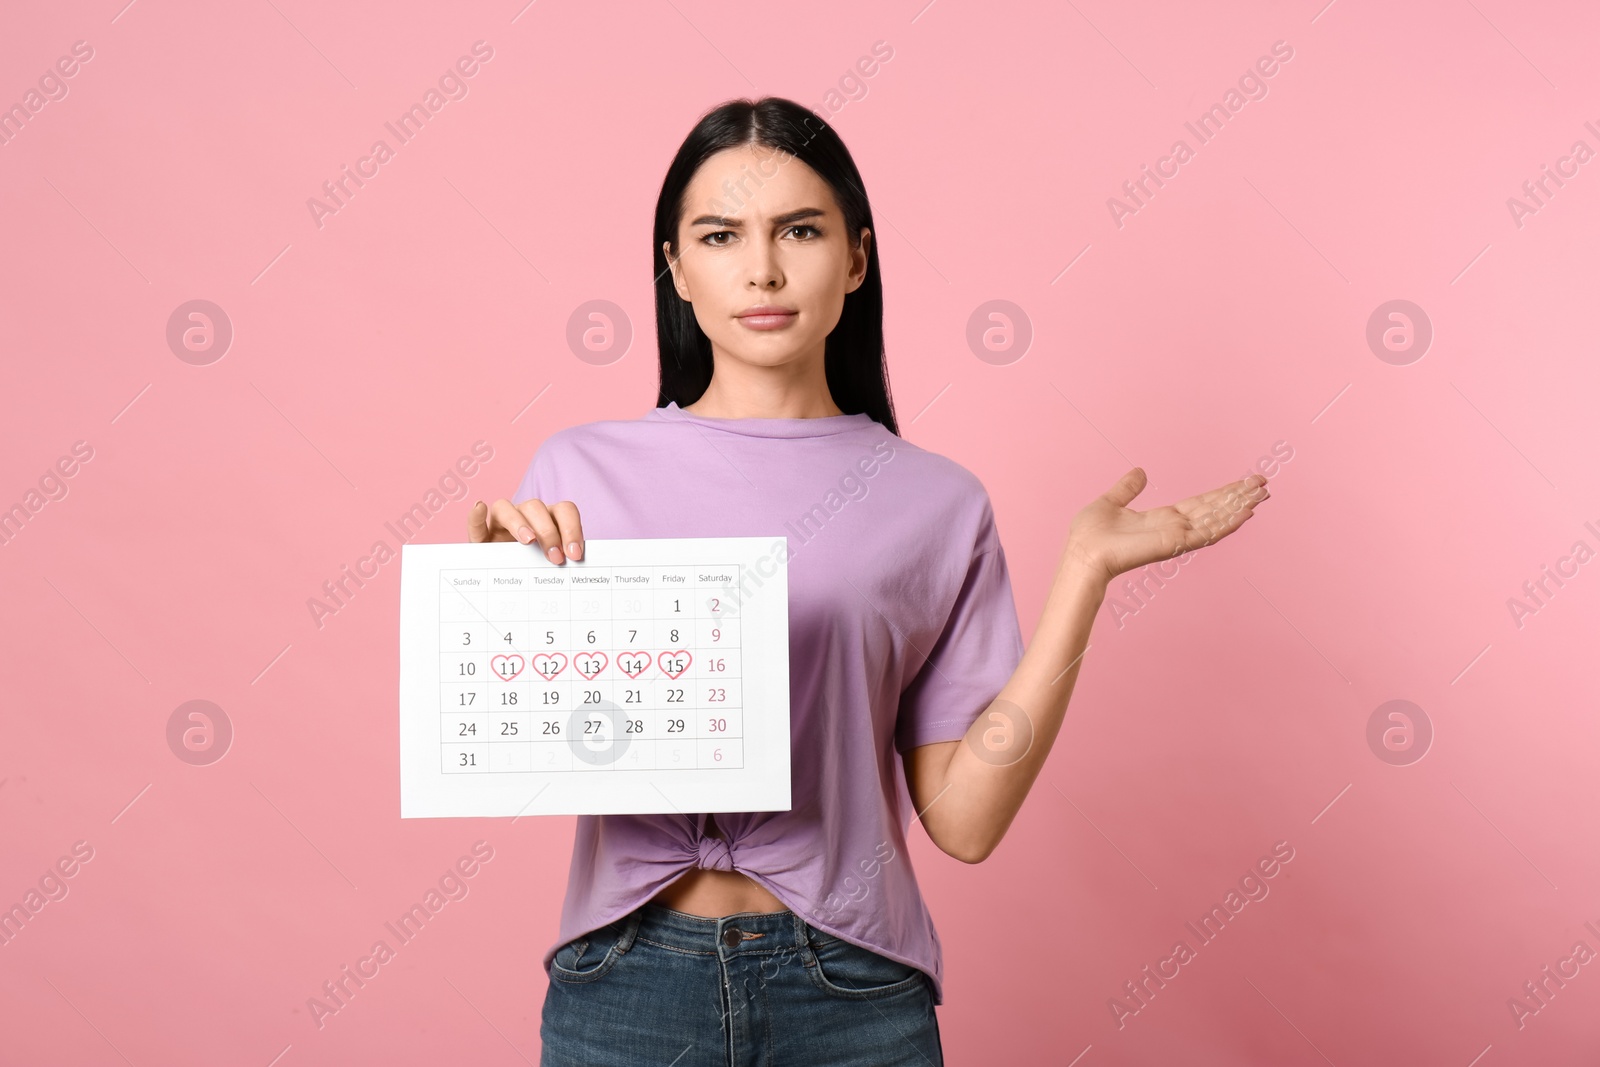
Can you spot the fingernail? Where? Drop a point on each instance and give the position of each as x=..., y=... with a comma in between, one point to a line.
x=525, y=535
x=554, y=554
x=574, y=550
x=478, y=505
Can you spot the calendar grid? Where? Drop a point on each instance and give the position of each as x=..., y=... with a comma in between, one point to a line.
x=663, y=662
x=603, y=669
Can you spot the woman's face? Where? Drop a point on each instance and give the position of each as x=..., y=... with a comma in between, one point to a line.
x=759, y=227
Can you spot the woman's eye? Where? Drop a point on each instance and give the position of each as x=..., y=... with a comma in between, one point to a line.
x=709, y=239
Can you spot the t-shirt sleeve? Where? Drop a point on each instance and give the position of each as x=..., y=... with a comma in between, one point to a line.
x=538, y=481
x=973, y=658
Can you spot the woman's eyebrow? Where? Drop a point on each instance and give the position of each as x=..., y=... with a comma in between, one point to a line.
x=778, y=220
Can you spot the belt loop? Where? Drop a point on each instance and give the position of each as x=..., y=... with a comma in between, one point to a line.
x=630, y=930
x=802, y=942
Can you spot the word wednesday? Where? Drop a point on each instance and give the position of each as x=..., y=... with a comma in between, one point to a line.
x=1219, y=916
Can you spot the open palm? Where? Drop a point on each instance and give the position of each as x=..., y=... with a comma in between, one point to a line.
x=1111, y=538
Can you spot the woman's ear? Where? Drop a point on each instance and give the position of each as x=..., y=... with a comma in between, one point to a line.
x=858, y=261
x=677, y=271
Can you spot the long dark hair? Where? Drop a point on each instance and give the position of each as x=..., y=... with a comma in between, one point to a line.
x=853, y=360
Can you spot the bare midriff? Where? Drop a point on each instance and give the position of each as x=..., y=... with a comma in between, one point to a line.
x=713, y=894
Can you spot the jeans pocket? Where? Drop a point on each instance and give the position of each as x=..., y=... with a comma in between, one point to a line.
x=847, y=970
x=589, y=956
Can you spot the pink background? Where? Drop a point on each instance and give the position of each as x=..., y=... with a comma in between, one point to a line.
x=1229, y=313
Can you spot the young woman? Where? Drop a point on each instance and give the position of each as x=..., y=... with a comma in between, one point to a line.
x=800, y=937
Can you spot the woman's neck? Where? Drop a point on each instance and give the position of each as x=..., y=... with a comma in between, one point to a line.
x=782, y=404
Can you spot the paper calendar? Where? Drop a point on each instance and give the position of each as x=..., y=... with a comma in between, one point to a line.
x=650, y=676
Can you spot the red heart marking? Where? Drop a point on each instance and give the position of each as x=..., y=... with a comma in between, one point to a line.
x=506, y=672
x=545, y=661
x=662, y=661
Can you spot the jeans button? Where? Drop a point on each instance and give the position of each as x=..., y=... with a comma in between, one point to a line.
x=731, y=936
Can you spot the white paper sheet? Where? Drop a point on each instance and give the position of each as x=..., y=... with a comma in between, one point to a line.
x=651, y=676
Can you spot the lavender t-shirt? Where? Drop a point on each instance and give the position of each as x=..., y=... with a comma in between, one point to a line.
x=902, y=629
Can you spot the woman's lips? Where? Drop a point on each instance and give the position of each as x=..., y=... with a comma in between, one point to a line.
x=769, y=320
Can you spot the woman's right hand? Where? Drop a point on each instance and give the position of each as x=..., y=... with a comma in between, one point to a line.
x=552, y=525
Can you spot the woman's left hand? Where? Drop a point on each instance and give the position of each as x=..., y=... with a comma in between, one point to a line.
x=1107, y=537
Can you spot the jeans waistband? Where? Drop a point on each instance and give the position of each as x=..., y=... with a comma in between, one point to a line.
x=743, y=934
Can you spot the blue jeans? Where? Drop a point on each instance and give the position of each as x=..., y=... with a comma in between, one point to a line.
x=660, y=987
